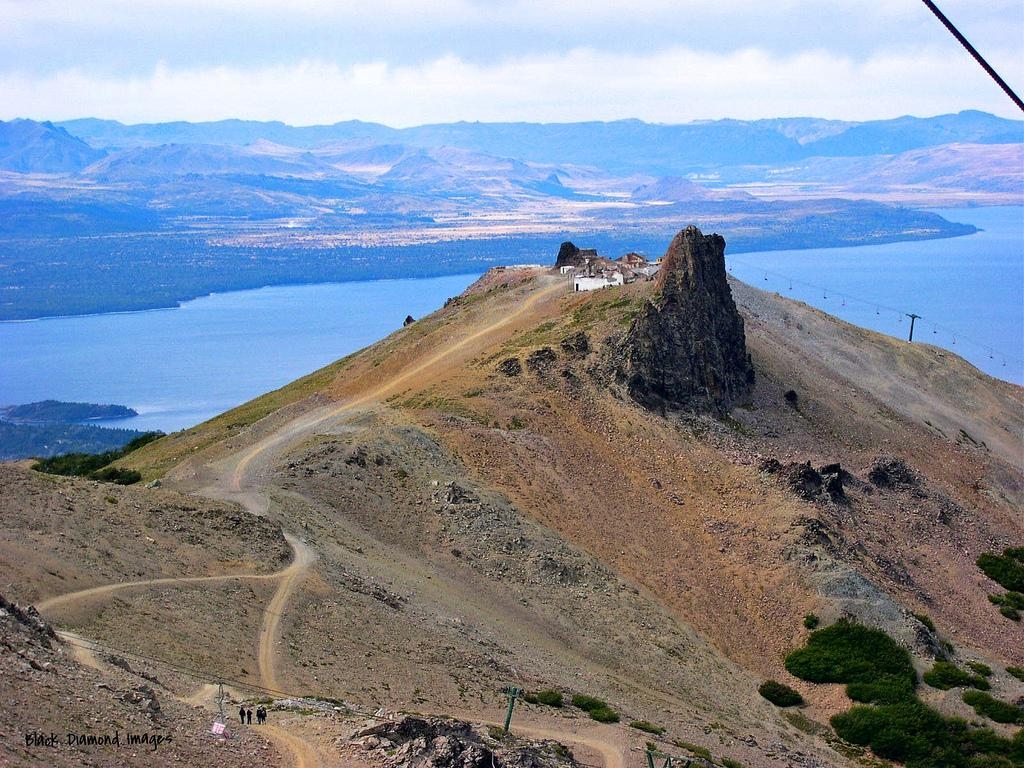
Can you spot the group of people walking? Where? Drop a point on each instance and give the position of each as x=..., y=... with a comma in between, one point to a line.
x=245, y=715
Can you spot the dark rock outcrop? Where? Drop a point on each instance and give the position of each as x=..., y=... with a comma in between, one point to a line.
x=892, y=472
x=577, y=345
x=809, y=483
x=569, y=256
x=510, y=366
x=686, y=349
x=540, y=361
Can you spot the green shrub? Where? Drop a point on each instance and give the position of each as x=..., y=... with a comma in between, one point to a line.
x=1010, y=612
x=604, y=715
x=811, y=621
x=1007, y=569
x=851, y=653
x=643, y=725
x=548, y=697
x=728, y=762
x=907, y=731
x=1017, y=672
x=117, y=475
x=1014, y=600
x=94, y=465
x=982, y=669
x=886, y=689
x=596, y=708
x=945, y=675
x=993, y=708
x=780, y=694
x=587, y=703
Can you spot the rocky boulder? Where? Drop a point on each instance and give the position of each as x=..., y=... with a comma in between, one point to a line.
x=686, y=349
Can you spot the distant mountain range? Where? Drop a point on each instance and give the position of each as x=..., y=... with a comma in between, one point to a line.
x=286, y=199
x=624, y=146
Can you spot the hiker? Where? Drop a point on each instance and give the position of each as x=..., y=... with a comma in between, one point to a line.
x=248, y=716
x=241, y=714
x=261, y=716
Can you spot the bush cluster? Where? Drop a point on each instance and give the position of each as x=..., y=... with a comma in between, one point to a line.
x=596, y=708
x=913, y=733
x=1010, y=604
x=993, y=708
x=94, y=465
x=548, y=697
x=1007, y=569
x=780, y=694
x=945, y=675
x=898, y=726
x=847, y=652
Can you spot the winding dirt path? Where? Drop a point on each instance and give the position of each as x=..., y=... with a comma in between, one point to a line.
x=82, y=595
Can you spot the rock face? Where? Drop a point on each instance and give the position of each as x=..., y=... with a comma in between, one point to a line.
x=568, y=256
x=686, y=349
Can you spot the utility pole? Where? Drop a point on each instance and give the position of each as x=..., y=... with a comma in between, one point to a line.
x=912, y=317
x=512, y=693
x=669, y=762
x=220, y=699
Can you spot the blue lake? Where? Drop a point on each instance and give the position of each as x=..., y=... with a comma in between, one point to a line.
x=180, y=366
x=968, y=291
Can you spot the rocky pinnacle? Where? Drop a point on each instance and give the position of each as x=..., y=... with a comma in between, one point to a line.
x=686, y=348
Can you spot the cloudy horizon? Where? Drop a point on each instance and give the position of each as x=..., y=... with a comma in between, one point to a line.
x=404, y=63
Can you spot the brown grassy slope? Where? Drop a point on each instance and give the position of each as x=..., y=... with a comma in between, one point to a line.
x=61, y=535
x=587, y=463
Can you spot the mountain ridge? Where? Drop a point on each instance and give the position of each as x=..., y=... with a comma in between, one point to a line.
x=475, y=522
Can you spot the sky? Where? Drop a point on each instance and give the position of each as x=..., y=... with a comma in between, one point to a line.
x=413, y=62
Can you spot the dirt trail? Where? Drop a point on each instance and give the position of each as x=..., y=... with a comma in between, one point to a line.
x=83, y=649
x=303, y=754
x=290, y=578
x=82, y=595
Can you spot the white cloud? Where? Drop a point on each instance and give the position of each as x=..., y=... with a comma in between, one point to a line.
x=671, y=86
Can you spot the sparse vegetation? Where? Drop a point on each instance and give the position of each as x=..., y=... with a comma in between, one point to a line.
x=993, y=708
x=780, y=694
x=811, y=621
x=728, y=762
x=643, y=725
x=1010, y=604
x=945, y=675
x=926, y=620
x=694, y=749
x=1017, y=672
x=982, y=669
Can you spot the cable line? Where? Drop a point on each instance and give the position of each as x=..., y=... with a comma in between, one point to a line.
x=974, y=52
